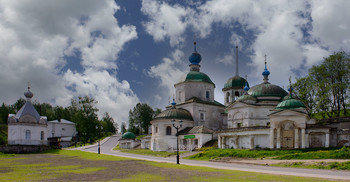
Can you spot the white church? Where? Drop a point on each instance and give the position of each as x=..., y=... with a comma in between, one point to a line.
x=27, y=127
x=261, y=116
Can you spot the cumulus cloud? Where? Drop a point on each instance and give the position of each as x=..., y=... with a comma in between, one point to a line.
x=38, y=35
x=295, y=34
x=166, y=21
x=169, y=71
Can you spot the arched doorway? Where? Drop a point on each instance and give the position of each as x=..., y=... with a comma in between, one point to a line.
x=287, y=134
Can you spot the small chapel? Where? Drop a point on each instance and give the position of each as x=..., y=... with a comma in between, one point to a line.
x=261, y=116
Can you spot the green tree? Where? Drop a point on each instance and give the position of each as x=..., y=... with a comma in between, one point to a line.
x=85, y=116
x=4, y=112
x=140, y=118
x=325, y=90
x=123, y=128
x=108, y=124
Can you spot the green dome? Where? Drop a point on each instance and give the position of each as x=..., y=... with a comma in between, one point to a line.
x=290, y=103
x=128, y=135
x=246, y=97
x=196, y=76
x=235, y=81
x=175, y=113
x=267, y=90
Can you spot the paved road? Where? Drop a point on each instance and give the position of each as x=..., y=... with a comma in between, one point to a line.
x=109, y=143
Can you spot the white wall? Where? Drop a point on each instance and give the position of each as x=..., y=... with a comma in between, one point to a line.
x=17, y=134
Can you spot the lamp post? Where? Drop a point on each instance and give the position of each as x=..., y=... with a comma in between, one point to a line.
x=99, y=136
x=177, y=138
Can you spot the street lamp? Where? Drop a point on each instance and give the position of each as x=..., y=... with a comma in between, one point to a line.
x=177, y=138
x=99, y=136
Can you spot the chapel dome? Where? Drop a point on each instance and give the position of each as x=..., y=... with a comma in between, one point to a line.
x=128, y=135
x=175, y=113
x=195, y=57
x=290, y=103
x=235, y=82
x=267, y=90
x=246, y=98
x=196, y=76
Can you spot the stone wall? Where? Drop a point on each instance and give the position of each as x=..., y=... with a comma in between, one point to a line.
x=22, y=149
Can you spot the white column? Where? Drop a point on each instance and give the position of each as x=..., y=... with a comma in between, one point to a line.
x=219, y=142
x=303, y=138
x=251, y=141
x=278, y=144
x=307, y=142
x=234, y=142
x=327, y=140
x=296, y=138
x=223, y=142
x=272, y=136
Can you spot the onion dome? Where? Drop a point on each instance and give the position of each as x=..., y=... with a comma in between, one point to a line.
x=195, y=58
x=128, y=135
x=196, y=76
x=28, y=94
x=235, y=82
x=290, y=103
x=267, y=90
x=246, y=88
x=175, y=113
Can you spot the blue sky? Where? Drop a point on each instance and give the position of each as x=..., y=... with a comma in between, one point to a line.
x=127, y=51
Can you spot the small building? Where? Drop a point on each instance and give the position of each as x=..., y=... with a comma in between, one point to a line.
x=128, y=141
x=63, y=129
x=146, y=142
x=27, y=127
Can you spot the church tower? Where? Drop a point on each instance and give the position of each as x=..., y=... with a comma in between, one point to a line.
x=195, y=84
x=234, y=86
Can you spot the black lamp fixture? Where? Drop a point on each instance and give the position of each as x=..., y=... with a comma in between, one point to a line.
x=173, y=122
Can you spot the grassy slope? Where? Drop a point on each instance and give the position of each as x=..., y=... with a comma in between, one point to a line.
x=209, y=154
x=13, y=169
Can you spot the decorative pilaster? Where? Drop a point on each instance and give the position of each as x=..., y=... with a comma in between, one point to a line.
x=327, y=140
x=278, y=144
x=303, y=138
x=296, y=138
x=272, y=137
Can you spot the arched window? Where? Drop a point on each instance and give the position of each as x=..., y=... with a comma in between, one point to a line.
x=228, y=97
x=42, y=135
x=207, y=95
x=27, y=134
x=168, y=130
x=237, y=94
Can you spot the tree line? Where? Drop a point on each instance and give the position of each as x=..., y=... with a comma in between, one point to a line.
x=325, y=90
x=82, y=111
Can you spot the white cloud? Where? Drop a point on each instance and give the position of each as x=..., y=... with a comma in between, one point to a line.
x=166, y=21
x=169, y=71
x=36, y=35
x=226, y=59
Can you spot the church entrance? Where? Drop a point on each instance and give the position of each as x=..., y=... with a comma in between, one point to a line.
x=287, y=134
x=287, y=139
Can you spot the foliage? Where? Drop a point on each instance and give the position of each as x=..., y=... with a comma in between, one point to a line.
x=149, y=152
x=331, y=153
x=3, y=134
x=123, y=128
x=108, y=124
x=139, y=118
x=325, y=89
x=317, y=165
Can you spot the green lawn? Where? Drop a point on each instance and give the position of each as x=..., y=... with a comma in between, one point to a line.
x=149, y=152
x=64, y=165
x=212, y=154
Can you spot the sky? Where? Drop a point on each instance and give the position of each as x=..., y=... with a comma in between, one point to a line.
x=128, y=51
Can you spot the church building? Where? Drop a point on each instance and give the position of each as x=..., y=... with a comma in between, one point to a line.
x=261, y=116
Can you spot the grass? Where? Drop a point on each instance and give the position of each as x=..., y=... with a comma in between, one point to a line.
x=150, y=152
x=317, y=165
x=65, y=165
x=331, y=153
